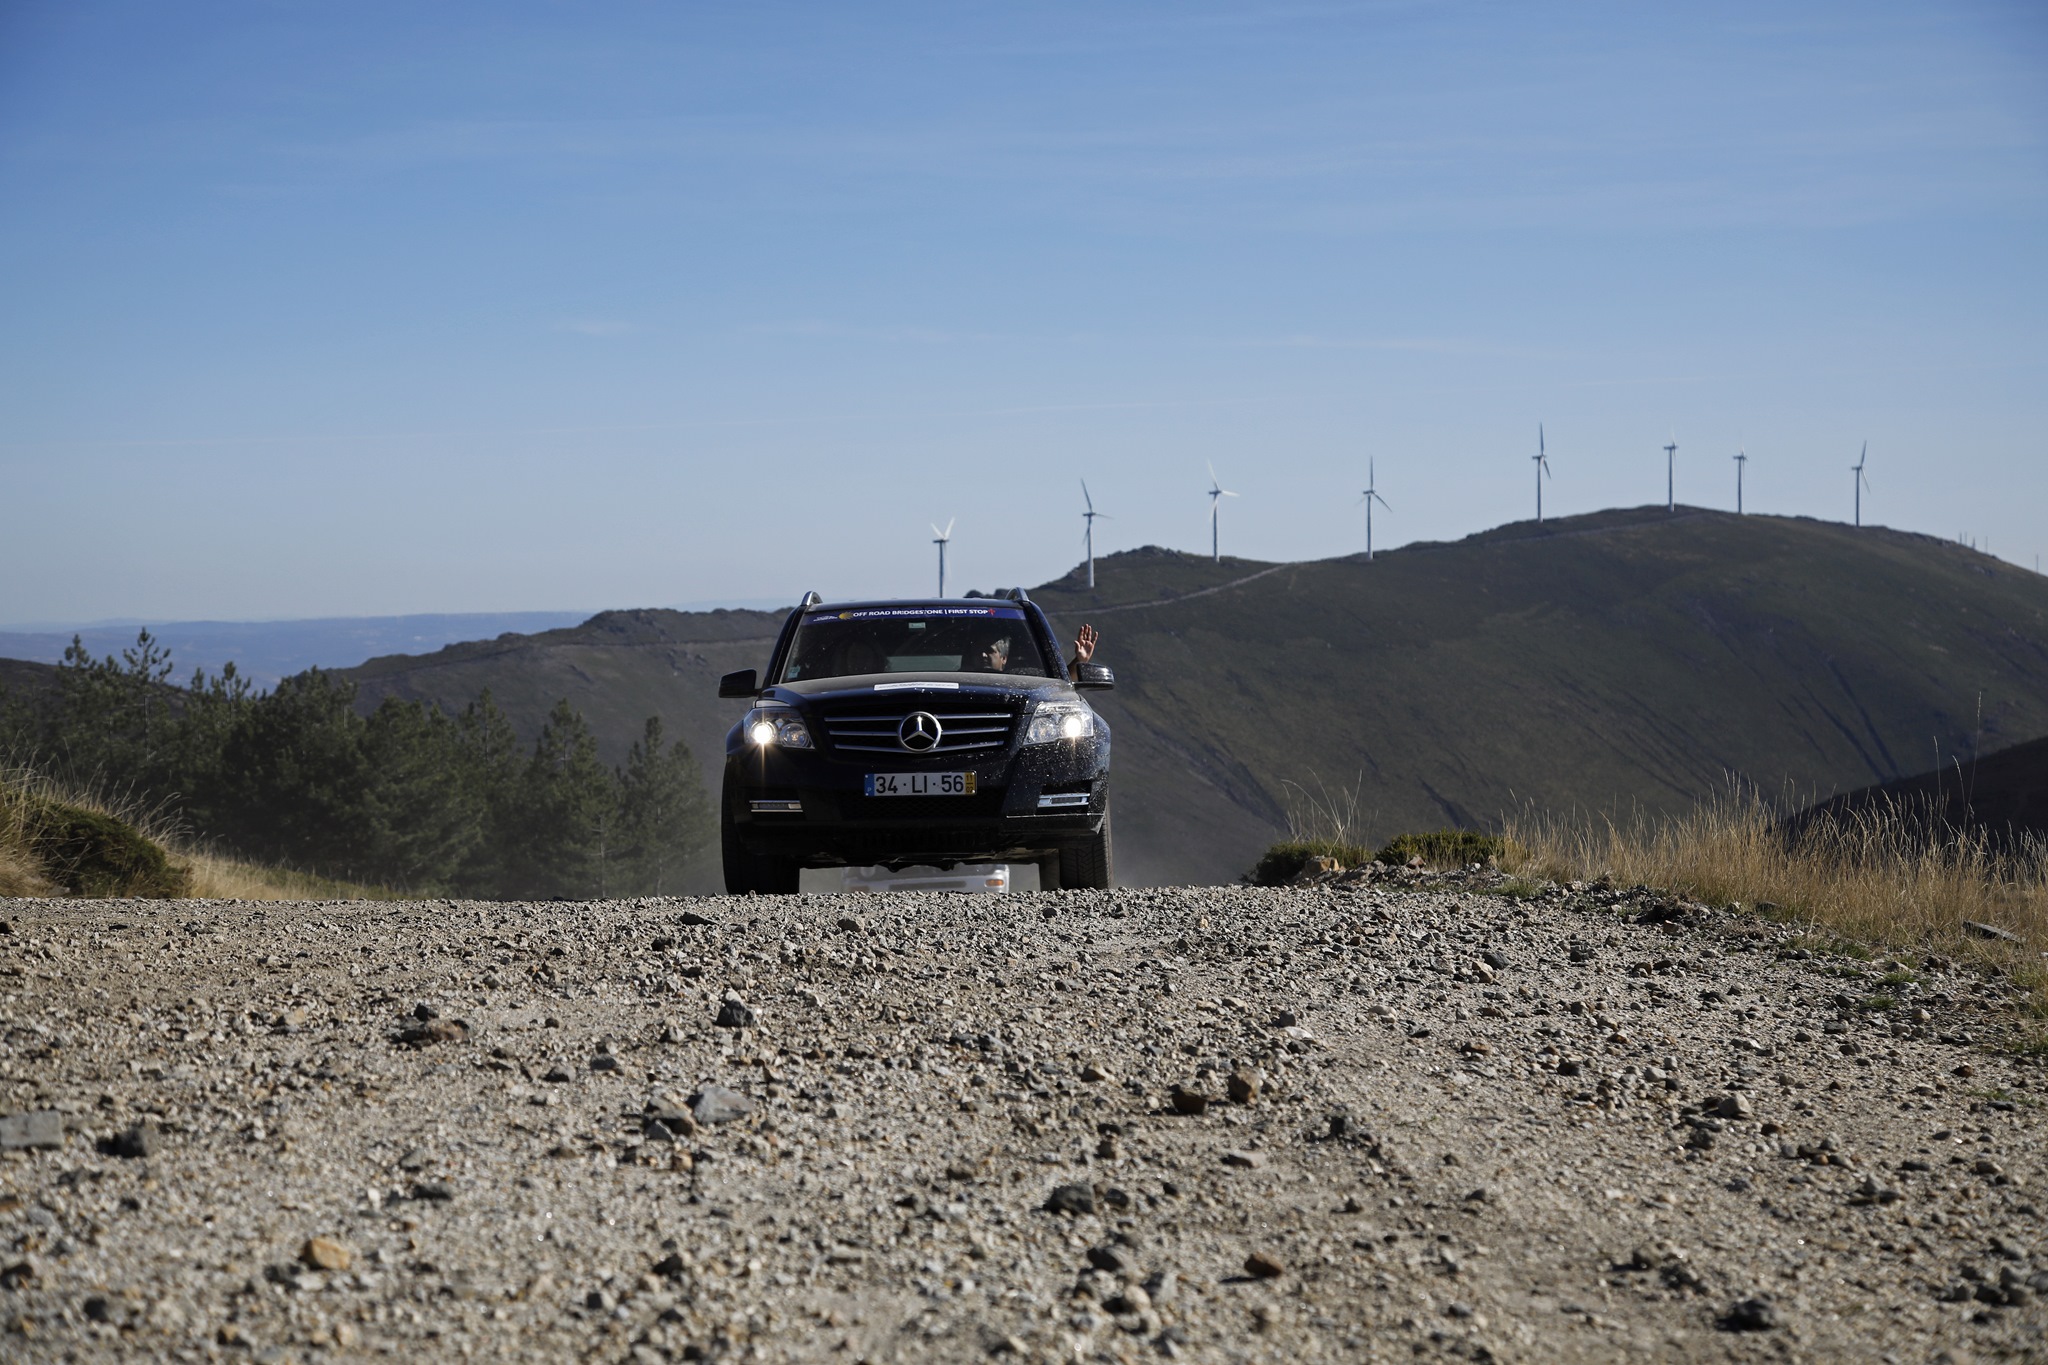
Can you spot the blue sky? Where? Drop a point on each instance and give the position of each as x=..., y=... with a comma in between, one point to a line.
x=348, y=309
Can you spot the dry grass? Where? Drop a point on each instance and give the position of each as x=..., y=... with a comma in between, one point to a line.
x=216, y=877
x=1872, y=878
x=213, y=875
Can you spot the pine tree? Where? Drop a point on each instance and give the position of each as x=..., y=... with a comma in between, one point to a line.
x=567, y=813
x=665, y=820
x=487, y=752
x=423, y=816
x=112, y=716
x=294, y=779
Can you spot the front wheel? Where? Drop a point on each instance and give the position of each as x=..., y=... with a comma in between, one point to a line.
x=745, y=871
x=1089, y=866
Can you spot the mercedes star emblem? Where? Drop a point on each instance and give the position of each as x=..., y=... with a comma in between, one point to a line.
x=919, y=732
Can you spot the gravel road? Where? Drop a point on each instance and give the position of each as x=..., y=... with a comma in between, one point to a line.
x=1400, y=1118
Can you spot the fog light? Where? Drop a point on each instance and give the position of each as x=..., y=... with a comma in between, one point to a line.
x=763, y=733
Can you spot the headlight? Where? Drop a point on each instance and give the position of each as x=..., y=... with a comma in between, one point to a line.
x=1059, y=720
x=765, y=727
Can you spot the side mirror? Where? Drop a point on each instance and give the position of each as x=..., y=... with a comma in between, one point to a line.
x=741, y=684
x=1095, y=678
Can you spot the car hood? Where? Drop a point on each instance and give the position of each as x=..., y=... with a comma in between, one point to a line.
x=884, y=686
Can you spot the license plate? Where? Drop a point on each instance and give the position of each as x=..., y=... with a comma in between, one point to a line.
x=920, y=784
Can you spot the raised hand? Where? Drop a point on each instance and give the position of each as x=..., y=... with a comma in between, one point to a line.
x=1084, y=644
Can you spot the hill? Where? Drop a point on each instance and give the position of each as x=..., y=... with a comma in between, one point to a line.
x=617, y=668
x=2003, y=794
x=1629, y=658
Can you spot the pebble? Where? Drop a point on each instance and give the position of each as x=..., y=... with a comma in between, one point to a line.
x=1113, y=1260
x=433, y=1031
x=137, y=1142
x=326, y=1253
x=1262, y=1265
x=734, y=1014
x=40, y=1128
x=717, y=1104
x=1074, y=1199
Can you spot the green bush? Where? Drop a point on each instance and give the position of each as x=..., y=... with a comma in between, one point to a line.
x=92, y=854
x=1444, y=848
x=1283, y=862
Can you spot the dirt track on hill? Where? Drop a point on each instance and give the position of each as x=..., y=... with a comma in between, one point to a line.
x=1586, y=1127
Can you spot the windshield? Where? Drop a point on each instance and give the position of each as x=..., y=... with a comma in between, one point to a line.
x=914, y=639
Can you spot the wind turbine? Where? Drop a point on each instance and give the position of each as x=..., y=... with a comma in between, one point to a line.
x=1217, y=492
x=1741, y=458
x=1088, y=537
x=1862, y=480
x=1542, y=470
x=942, y=538
x=1371, y=496
x=1671, y=474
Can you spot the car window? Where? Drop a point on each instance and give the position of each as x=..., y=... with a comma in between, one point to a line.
x=913, y=639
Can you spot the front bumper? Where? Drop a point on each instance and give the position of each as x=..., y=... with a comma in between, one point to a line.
x=813, y=807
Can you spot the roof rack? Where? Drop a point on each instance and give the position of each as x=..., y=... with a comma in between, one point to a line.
x=811, y=599
x=1012, y=594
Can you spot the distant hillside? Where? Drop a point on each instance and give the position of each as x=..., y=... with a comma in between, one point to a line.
x=2003, y=794
x=264, y=651
x=617, y=668
x=1625, y=659
x=24, y=680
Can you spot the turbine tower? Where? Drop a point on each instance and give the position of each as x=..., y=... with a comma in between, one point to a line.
x=1671, y=474
x=1741, y=458
x=1088, y=536
x=1542, y=471
x=1862, y=480
x=1371, y=496
x=940, y=541
x=1217, y=492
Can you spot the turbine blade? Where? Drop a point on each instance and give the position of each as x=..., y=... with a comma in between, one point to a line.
x=1084, y=495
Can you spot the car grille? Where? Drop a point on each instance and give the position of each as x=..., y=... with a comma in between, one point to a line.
x=865, y=727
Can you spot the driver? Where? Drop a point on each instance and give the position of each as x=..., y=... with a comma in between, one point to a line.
x=994, y=657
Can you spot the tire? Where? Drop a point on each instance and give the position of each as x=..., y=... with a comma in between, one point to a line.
x=751, y=872
x=1090, y=866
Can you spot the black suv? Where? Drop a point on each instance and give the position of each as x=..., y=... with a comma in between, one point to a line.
x=916, y=732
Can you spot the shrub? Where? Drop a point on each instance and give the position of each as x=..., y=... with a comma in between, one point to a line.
x=1445, y=848
x=90, y=853
x=1283, y=862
